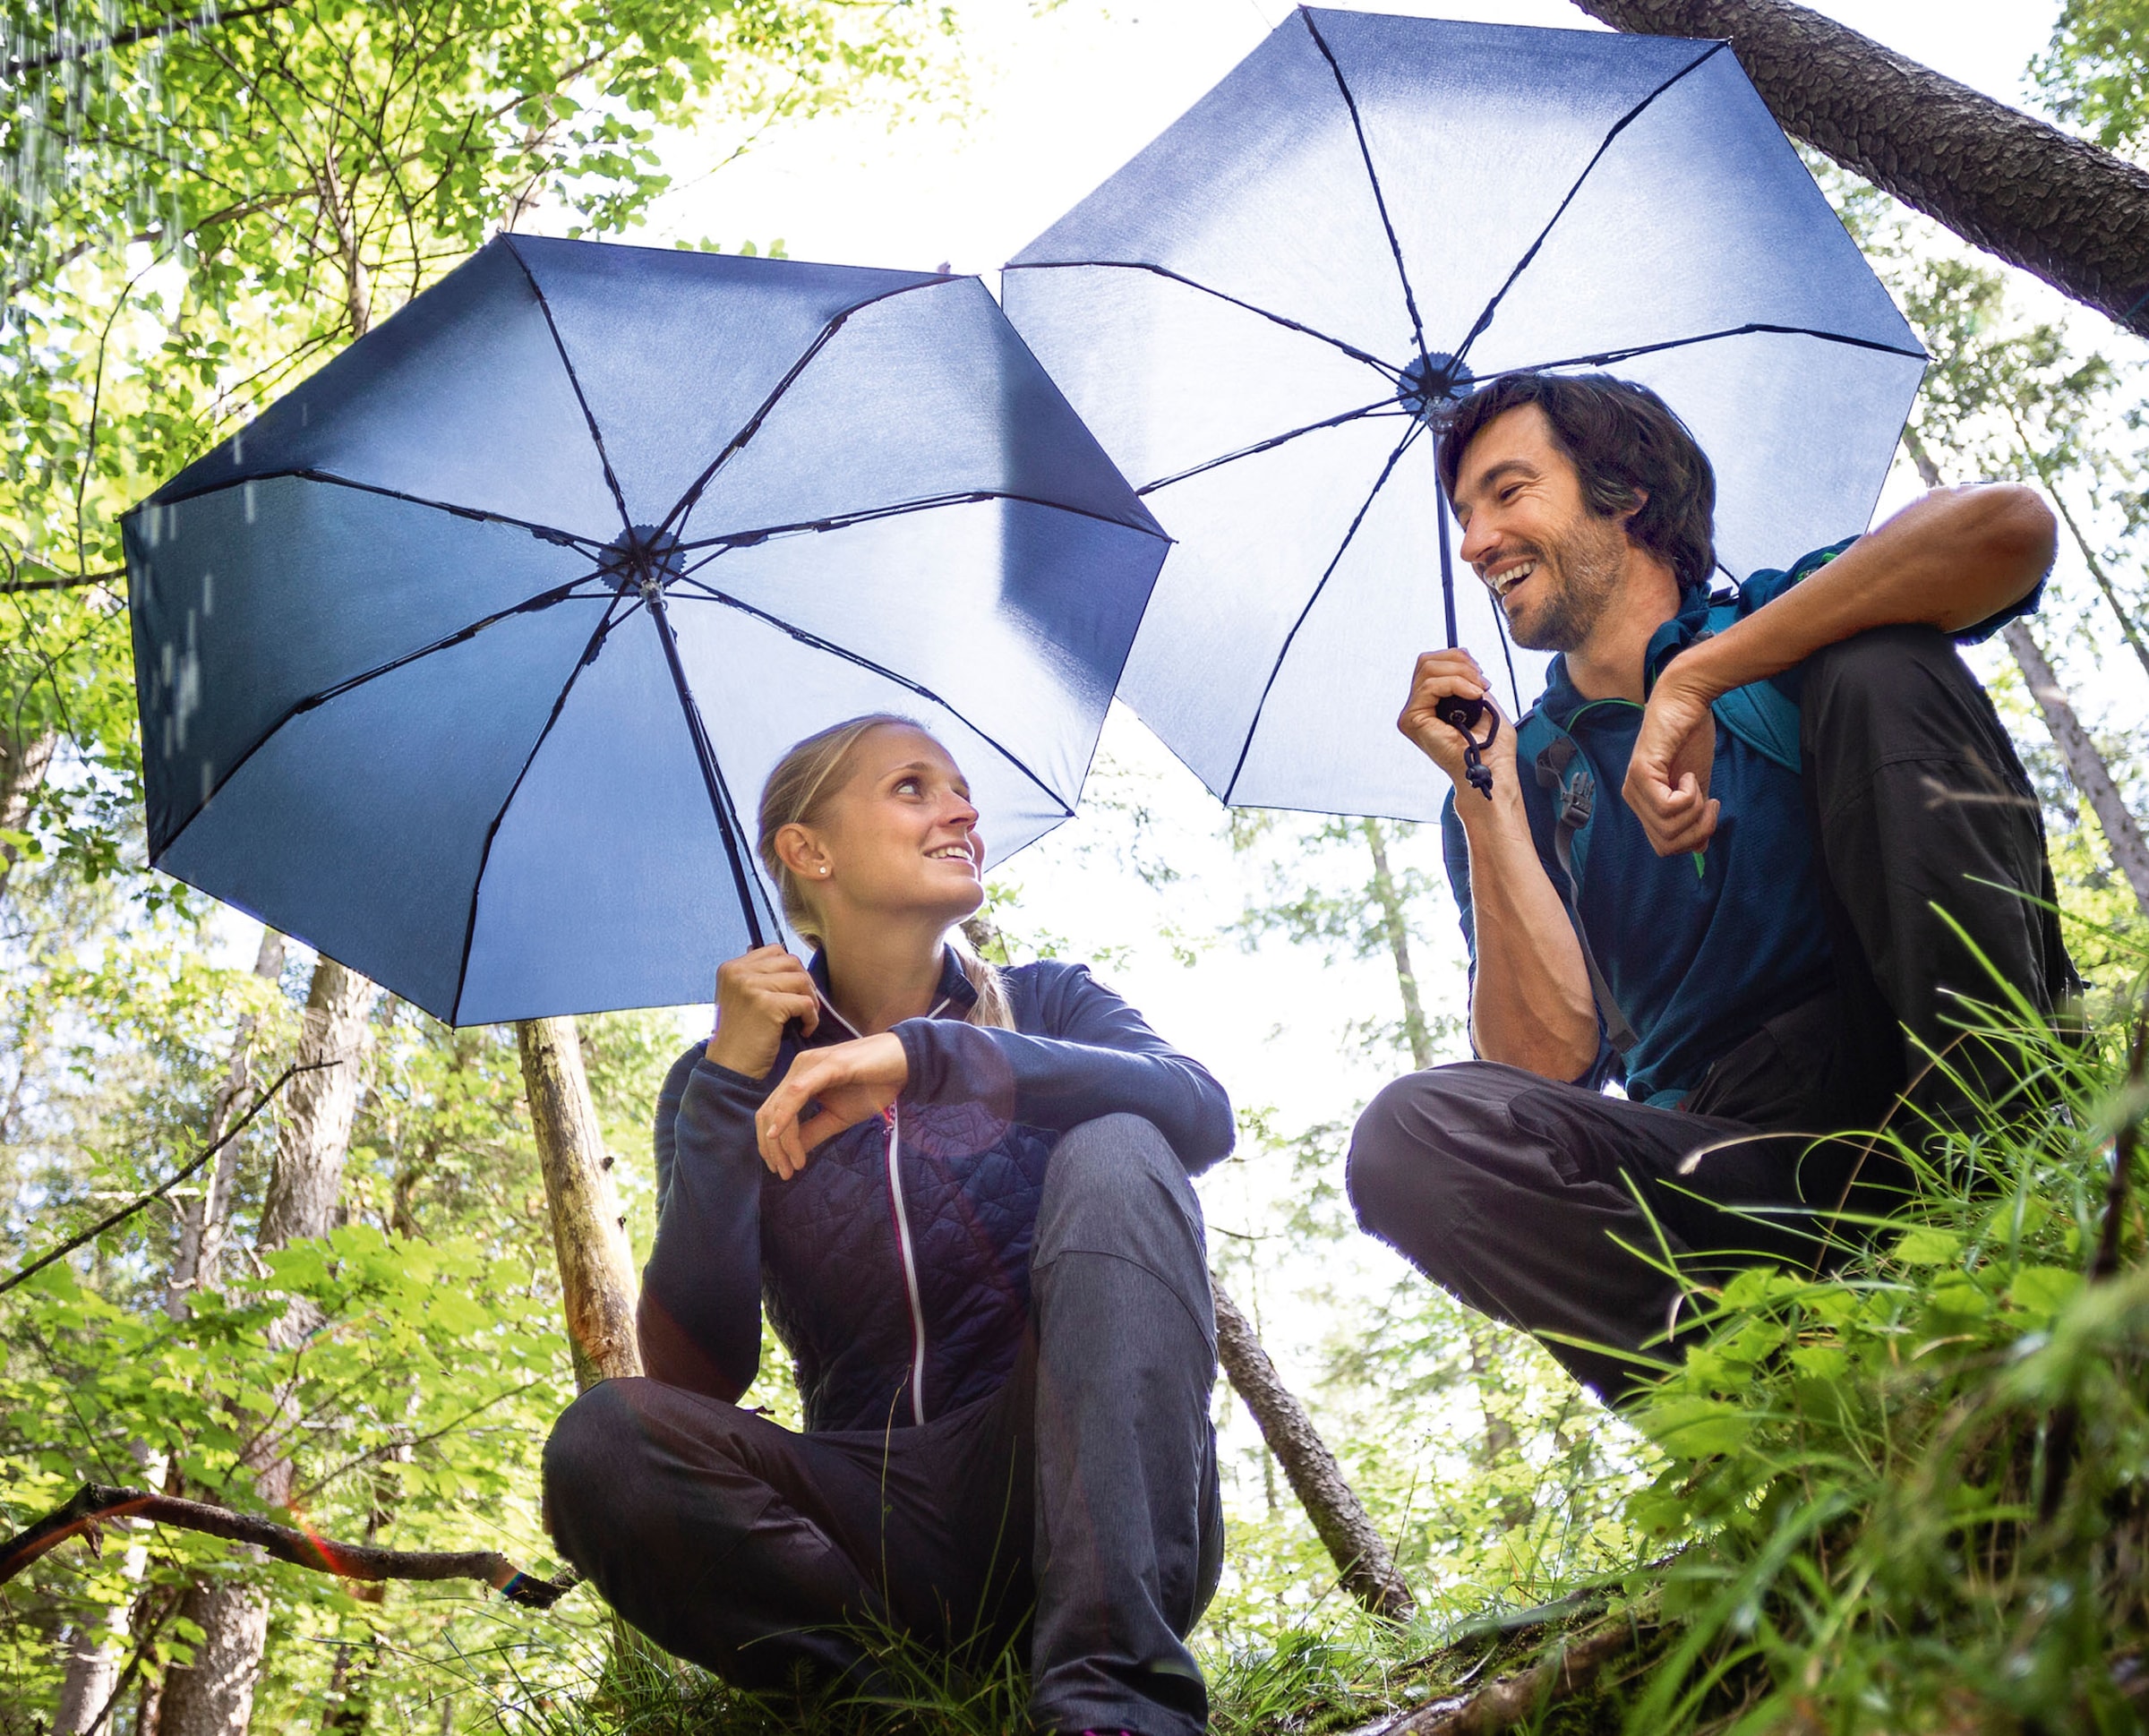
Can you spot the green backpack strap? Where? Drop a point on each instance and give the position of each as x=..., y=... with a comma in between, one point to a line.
x=1563, y=771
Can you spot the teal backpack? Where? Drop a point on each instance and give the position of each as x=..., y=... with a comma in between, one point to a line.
x=1758, y=714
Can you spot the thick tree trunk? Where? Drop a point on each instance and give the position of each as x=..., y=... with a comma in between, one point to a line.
x=597, y=1284
x=1361, y=1556
x=2023, y=191
x=2086, y=766
x=214, y=1696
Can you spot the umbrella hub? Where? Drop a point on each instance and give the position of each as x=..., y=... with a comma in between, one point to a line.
x=1434, y=385
x=643, y=558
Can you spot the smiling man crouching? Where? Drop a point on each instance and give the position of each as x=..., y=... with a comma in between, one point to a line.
x=1744, y=863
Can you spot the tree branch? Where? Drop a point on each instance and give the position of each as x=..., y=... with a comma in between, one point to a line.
x=96, y=1502
x=1510, y=1700
x=165, y=1187
x=62, y=581
x=1360, y=1554
x=2007, y=182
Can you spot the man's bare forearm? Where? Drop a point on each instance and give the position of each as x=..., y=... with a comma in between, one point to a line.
x=1951, y=560
x=1531, y=1007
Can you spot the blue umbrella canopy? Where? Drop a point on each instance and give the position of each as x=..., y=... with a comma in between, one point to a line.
x=1265, y=313
x=466, y=661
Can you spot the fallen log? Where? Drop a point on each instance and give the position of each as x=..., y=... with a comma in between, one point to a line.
x=1513, y=1699
x=94, y=1503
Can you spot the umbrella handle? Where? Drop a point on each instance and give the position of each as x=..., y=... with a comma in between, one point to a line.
x=1462, y=716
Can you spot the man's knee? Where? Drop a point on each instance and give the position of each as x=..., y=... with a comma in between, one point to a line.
x=1398, y=1149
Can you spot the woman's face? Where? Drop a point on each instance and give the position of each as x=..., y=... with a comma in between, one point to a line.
x=900, y=837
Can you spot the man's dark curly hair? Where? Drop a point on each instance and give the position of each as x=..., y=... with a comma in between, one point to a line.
x=1625, y=442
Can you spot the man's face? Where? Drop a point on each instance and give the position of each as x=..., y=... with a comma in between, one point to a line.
x=1553, y=565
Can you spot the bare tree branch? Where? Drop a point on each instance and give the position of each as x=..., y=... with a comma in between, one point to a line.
x=95, y=1502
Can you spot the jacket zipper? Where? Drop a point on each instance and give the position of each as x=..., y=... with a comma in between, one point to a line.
x=892, y=1121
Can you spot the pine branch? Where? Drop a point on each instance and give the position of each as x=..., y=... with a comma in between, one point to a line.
x=95, y=1503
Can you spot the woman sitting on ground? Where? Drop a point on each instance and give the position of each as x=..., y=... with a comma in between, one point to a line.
x=964, y=1196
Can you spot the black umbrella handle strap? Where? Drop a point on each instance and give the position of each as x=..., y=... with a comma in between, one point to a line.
x=1462, y=715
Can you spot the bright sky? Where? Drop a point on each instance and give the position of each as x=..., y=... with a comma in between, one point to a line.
x=1061, y=100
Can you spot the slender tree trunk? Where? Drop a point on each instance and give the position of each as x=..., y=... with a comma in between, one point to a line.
x=2019, y=188
x=1361, y=1555
x=1395, y=924
x=208, y=1216
x=2086, y=766
x=597, y=1284
x=214, y=1696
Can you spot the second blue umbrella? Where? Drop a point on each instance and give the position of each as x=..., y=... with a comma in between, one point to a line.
x=1265, y=315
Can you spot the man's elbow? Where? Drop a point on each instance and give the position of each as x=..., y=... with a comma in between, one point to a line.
x=2013, y=534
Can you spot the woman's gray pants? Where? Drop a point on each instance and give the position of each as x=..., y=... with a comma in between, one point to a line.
x=1080, y=1500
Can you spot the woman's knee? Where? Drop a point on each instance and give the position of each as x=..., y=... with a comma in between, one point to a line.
x=581, y=1461
x=1116, y=1168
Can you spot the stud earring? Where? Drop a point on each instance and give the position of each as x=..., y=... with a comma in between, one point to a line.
x=824, y=869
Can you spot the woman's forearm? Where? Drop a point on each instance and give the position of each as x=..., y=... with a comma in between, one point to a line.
x=1530, y=1004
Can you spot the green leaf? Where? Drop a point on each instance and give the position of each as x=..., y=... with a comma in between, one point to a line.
x=1928, y=1247
x=2041, y=1291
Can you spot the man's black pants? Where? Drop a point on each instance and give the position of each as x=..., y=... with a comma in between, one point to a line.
x=1080, y=1502
x=1513, y=1192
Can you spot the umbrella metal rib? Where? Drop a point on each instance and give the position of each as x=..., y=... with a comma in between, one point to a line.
x=813, y=640
x=1357, y=126
x=1169, y=276
x=1386, y=406
x=597, y=434
x=1551, y=223
x=1284, y=650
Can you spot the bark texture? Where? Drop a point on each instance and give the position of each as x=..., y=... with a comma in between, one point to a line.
x=597, y=1284
x=1361, y=1556
x=314, y=1136
x=2019, y=188
x=1523, y=1697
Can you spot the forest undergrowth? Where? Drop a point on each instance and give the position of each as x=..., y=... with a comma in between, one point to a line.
x=1901, y=1493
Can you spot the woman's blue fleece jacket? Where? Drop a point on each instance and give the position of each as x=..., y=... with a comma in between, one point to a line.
x=972, y=1135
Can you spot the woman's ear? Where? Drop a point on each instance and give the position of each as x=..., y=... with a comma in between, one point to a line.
x=801, y=852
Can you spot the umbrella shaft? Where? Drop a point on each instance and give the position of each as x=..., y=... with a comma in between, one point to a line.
x=720, y=802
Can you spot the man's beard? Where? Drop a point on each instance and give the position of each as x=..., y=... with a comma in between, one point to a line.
x=1587, y=566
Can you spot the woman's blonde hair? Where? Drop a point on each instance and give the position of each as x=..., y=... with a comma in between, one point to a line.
x=798, y=789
